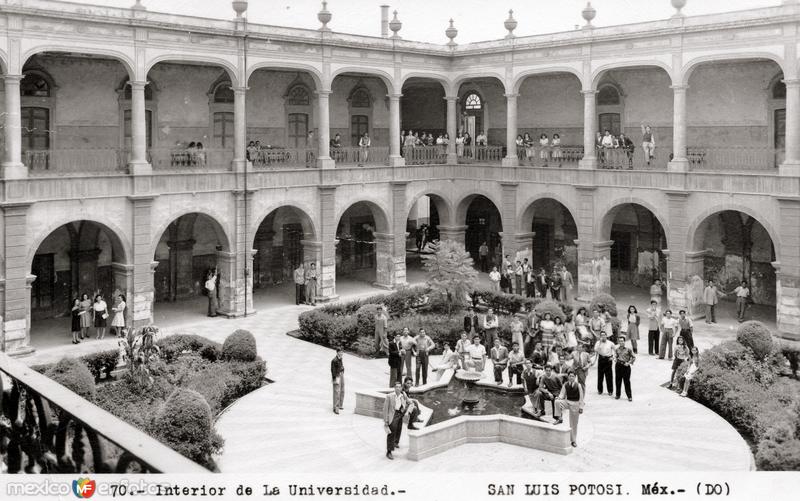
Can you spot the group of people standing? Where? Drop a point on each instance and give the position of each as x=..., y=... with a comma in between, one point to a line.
x=520, y=278
x=606, y=143
x=305, y=283
x=88, y=314
x=548, y=149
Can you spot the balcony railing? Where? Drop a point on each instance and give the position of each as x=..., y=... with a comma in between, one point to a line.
x=354, y=155
x=481, y=154
x=163, y=159
x=275, y=158
x=734, y=158
x=65, y=161
x=425, y=155
x=46, y=428
x=537, y=156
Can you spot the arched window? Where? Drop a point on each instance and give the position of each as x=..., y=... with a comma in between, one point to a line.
x=298, y=96
x=360, y=98
x=608, y=96
x=223, y=93
x=34, y=85
x=473, y=102
x=779, y=89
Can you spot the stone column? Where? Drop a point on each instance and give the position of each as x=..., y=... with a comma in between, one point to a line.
x=138, y=165
x=679, y=162
x=511, y=159
x=456, y=233
x=324, y=160
x=123, y=281
x=594, y=269
x=787, y=272
x=17, y=282
x=13, y=168
x=682, y=265
x=327, y=250
x=180, y=266
x=239, y=128
x=395, y=160
x=589, y=160
x=385, y=261
x=399, y=222
x=452, y=128
x=141, y=300
x=791, y=164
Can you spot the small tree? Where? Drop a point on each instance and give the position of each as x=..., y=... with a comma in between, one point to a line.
x=450, y=273
x=140, y=352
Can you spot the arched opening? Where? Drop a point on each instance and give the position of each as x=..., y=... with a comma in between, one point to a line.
x=637, y=257
x=484, y=225
x=423, y=110
x=422, y=227
x=187, y=250
x=745, y=137
x=735, y=247
x=359, y=128
x=80, y=257
x=357, y=235
x=280, y=247
x=554, y=235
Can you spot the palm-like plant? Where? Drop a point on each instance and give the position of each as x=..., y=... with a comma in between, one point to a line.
x=139, y=350
x=450, y=273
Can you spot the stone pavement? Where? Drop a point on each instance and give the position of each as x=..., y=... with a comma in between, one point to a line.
x=289, y=424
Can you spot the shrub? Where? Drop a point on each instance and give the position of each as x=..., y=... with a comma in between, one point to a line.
x=441, y=328
x=101, y=363
x=240, y=346
x=780, y=449
x=506, y=304
x=320, y=327
x=401, y=302
x=365, y=346
x=604, y=302
x=172, y=346
x=73, y=374
x=211, y=352
x=365, y=320
x=732, y=355
x=185, y=423
x=551, y=307
x=757, y=337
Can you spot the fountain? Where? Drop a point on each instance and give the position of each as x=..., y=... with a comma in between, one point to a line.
x=470, y=400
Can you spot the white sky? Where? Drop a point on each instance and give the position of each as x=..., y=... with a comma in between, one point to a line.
x=426, y=20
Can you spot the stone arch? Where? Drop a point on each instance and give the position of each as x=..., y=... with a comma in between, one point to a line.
x=519, y=79
x=120, y=244
x=440, y=200
x=379, y=214
x=692, y=243
x=444, y=81
x=462, y=79
x=602, y=71
x=525, y=217
x=214, y=219
x=303, y=212
x=315, y=73
x=205, y=60
x=609, y=213
x=386, y=78
x=690, y=66
x=126, y=61
x=463, y=205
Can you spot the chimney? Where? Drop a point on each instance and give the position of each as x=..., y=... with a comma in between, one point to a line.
x=385, y=21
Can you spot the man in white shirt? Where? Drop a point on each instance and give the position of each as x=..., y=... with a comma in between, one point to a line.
x=211, y=290
x=424, y=345
x=653, y=327
x=490, y=325
x=742, y=298
x=516, y=361
x=407, y=349
x=669, y=327
x=710, y=299
x=605, y=353
x=483, y=254
x=476, y=360
x=462, y=349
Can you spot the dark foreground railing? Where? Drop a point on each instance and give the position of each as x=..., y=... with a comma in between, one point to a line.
x=46, y=428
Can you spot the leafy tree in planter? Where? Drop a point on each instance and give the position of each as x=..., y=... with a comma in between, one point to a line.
x=450, y=273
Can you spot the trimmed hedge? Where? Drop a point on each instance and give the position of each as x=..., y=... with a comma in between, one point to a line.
x=506, y=304
x=603, y=302
x=757, y=337
x=75, y=376
x=780, y=449
x=172, y=346
x=240, y=346
x=185, y=423
x=101, y=363
x=365, y=320
x=551, y=307
x=365, y=346
x=320, y=327
x=398, y=303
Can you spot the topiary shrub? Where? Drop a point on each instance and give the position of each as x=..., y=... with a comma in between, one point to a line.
x=734, y=356
x=240, y=346
x=551, y=307
x=101, y=363
x=173, y=346
x=73, y=374
x=211, y=352
x=603, y=302
x=757, y=337
x=365, y=320
x=185, y=423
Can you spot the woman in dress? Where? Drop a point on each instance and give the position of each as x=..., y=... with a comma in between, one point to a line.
x=516, y=328
x=76, y=320
x=460, y=144
x=569, y=334
x=520, y=146
x=559, y=333
x=86, y=315
x=100, y=310
x=633, y=327
x=527, y=141
x=580, y=326
x=381, y=325
x=567, y=285
x=682, y=354
x=544, y=152
x=690, y=372
x=547, y=327
x=557, y=155
x=118, y=322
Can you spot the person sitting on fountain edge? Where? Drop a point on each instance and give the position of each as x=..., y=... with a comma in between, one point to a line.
x=549, y=387
x=413, y=406
x=499, y=360
x=516, y=360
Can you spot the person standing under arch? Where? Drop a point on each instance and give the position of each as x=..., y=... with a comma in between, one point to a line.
x=211, y=291
x=311, y=284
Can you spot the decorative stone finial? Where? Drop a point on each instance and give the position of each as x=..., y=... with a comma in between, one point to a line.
x=588, y=14
x=138, y=6
x=239, y=6
x=510, y=24
x=395, y=26
x=678, y=5
x=324, y=17
x=451, y=33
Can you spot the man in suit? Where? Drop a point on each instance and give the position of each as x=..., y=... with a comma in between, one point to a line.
x=710, y=299
x=471, y=324
x=337, y=375
x=542, y=283
x=395, y=362
x=394, y=407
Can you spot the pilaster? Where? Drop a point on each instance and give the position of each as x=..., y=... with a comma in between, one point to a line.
x=327, y=252
x=140, y=300
x=16, y=280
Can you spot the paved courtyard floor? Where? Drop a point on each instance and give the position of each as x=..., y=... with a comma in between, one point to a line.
x=289, y=424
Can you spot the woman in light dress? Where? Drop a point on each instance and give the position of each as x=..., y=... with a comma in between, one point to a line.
x=86, y=315
x=567, y=286
x=547, y=327
x=100, y=310
x=118, y=322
